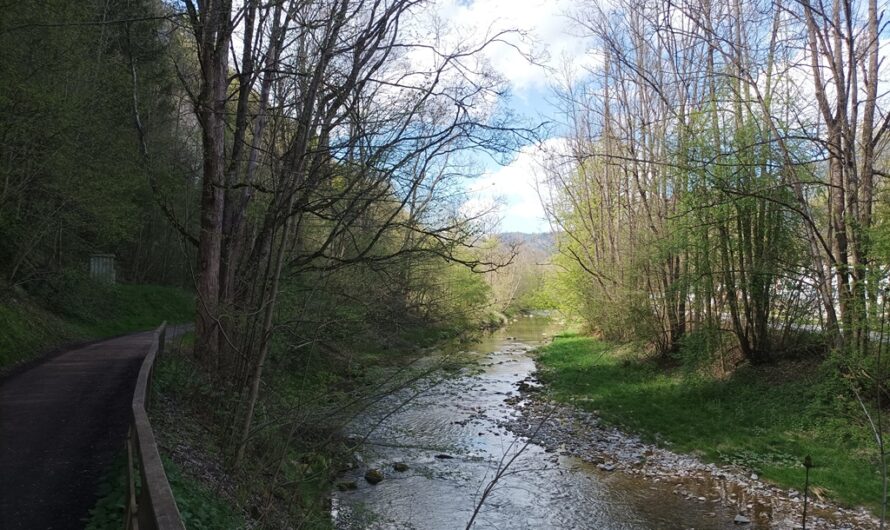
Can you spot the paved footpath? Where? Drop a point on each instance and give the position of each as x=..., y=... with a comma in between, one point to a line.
x=62, y=422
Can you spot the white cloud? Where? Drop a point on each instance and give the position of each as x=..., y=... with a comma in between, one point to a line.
x=514, y=189
x=540, y=30
x=541, y=41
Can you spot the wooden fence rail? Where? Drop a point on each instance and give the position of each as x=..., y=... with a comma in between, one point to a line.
x=154, y=508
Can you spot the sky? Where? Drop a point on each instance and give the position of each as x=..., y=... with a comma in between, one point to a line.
x=555, y=44
x=540, y=30
x=548, y=39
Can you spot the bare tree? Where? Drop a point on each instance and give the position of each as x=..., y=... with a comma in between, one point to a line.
x=346, y=133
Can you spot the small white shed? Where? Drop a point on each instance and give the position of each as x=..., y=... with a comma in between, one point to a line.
x=102, y=268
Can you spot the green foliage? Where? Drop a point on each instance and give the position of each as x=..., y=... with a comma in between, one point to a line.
x=407, y=303
x=700, y=347
x=72, y=180
x=765, y=418
x=199, y=507
x=464, y=300
x=519, y=286
x=616, y=312
x=73, y=308
x=879, y=232
x=26, y=330
x=695, y=220
x=110, y=508
x=542, y=297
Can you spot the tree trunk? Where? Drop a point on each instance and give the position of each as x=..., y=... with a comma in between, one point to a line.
x=213, y=49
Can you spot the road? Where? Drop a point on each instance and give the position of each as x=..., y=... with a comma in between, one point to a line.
x=62, y=422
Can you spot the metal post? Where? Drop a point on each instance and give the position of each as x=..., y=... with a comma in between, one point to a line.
x=807, y=463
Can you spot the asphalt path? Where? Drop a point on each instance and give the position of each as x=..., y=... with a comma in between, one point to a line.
x=62, y=422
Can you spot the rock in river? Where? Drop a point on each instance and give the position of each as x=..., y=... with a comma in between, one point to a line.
x=374, y=476
x=400, y=466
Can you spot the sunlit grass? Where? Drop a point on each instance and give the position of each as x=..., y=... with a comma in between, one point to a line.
x=27, y=328
x=767, y=424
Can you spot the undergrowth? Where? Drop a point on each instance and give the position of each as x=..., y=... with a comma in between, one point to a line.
x=297, y=449
x=199, y=507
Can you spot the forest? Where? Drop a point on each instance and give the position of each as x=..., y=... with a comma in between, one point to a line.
x=305, y=191
x=725, y=171
x=720, y=200
x=295, y=178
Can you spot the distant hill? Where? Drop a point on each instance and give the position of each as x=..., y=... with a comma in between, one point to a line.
x=542, y=244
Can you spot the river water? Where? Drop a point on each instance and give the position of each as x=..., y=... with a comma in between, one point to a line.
x=447, y=431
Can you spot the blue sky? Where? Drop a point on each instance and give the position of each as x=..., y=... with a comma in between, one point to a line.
x=548, y=39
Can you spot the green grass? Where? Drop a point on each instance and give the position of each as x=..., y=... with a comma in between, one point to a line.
x=765, y=418
x=83, y=310
x=198, y=407
x=137, y=307
x=199, y=507
x=27, y=330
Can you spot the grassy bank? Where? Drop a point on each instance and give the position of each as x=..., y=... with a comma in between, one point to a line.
x=200, y=507
x=76, y=311
x=763, y=418
x=297, y=449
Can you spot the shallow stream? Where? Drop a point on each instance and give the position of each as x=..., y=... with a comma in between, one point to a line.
x=448, y=433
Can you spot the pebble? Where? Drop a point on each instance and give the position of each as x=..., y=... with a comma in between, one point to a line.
x=578, y=433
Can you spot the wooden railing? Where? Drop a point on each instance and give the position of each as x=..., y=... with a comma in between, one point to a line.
x=154, y=508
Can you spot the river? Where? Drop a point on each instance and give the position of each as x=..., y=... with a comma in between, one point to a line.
x=447, y=431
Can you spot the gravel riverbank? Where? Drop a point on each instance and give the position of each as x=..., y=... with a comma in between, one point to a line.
x=568, y=430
